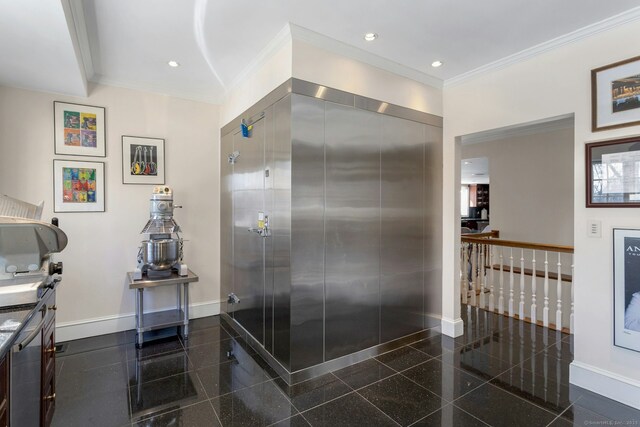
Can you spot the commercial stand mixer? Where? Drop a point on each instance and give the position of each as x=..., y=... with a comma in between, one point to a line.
x=161, y=254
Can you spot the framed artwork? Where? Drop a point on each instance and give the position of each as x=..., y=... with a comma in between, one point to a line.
x=78, y=186
x=615, y=95
x=142, y=160
x=613, y=173
x=79, y=130
x=626, y=288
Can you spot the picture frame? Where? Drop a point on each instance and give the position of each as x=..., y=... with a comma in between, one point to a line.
x=612, y=178
x=143, y=160
x=78, y=186
x=626, y=288
x=615, y=95
x=79, y=130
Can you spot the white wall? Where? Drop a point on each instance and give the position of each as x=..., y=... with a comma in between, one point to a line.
x=531, y=188
x=553, y=84
x=261, y=77
x=93, y=297
x=323, y=67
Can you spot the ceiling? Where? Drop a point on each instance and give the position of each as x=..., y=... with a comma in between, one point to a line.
x=57, y=45
x=474, y=171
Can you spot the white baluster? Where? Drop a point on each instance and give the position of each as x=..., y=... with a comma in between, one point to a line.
x=474, y=272
x=571, y=315
x=464, y=268
x=534, y=307
x=492, y=303
x=521, y=307
x=501, y=297
x=481, y=272
x=545, y=310
x=559, y=296
x=511, y=312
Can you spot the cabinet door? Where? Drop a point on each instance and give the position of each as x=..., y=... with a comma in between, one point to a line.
x=4, y=392
x=48, y=383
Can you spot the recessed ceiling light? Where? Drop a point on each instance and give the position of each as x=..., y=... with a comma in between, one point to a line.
x=467, y=162
x=173, y=64
x=436, y=64
x=370, y=37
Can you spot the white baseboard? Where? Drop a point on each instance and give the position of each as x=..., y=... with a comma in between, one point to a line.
x=66, y=331
x=452, y=328
x=609, y=384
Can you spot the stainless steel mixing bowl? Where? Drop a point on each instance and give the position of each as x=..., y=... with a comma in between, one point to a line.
x=160, y=254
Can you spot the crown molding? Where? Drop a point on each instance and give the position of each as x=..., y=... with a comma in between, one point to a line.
x=540, y=126
x=572, y=37
x=149, y=88
x=340, y=48
x=273, y=47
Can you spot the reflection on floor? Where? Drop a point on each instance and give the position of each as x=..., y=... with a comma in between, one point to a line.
x=502, y=372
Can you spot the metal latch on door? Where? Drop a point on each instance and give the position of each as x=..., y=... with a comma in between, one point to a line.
x=263, y=225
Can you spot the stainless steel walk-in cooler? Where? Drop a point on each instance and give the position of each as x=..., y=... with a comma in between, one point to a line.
x=330, y=226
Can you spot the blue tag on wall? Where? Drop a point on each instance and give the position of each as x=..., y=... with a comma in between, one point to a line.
x=246, y=130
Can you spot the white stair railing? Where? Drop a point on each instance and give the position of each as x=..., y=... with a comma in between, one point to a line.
x=482, y=259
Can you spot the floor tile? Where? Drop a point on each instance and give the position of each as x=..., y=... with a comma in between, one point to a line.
x=499, y=408
x=537, y=389
x=259, y=405
x=364, y=373
x=88, y=382
x=604, y=407
x=314, y=392
x=157, y=367
x=476, y=363
x=214, y=353
x=403, y=358
x=204, y=336
x=435, y=346
x=106, y=409
x=443, y=379
x=98, y=342
x=95, y=358
x=577, y=415
x=154, y=348
x=401, y=399
x=230, y=376
x=153, y=398
x=349, y=410
x=200, y=414
x=295, y=421
x=204, y=322
x=450, y=415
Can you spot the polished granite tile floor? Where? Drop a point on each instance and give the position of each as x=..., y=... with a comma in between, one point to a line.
x=502, y=372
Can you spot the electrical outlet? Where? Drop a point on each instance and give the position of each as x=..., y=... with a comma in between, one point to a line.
x=594, y=228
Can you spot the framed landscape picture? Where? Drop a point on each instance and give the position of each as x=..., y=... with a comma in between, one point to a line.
x=78, y=186
x=615, y=95
x=142, y=160
x=626, y=270
x=79, y=130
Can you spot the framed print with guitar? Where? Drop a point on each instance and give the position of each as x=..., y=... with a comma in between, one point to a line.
x=142, y=160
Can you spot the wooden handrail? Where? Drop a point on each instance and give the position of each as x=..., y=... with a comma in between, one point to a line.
x=520, y=245
x=491, y=234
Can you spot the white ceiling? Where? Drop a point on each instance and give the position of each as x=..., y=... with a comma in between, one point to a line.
x=474, y=171
x=128, y=42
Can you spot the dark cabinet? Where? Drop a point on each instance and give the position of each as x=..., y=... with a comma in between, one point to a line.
x=4, y=392
x=482, y=196
x=48, y=371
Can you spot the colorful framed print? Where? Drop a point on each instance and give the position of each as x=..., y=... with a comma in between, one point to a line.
x=78, y=186
x=79, y=130
x=626, y=288
x=615, y=95
x=142, y=160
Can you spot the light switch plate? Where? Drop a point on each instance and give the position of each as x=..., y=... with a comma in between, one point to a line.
x=594, y=228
